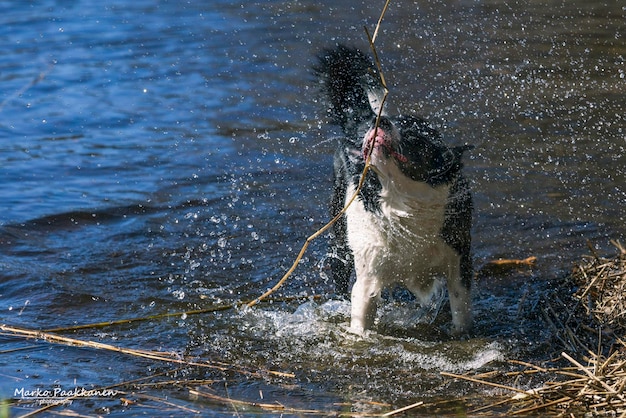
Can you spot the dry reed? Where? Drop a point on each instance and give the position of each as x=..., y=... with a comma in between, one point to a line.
x=590, y=382
x=169, y=357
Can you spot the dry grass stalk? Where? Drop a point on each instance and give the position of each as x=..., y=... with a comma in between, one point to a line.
x=403, y=409
x=283, y=409
x=256, y=405
x=603, y=295
x=168, y=357
x=32, y=83
x=210, y=309
x=160, y=400
x=589, y=382
x=502, y=266
x=597, y=388
x=311, y=239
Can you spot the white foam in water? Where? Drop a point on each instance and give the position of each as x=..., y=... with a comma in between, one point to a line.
x=318, y=334
x=491, y=352
x=335, y=308
x=310, y=319
x=443, y=359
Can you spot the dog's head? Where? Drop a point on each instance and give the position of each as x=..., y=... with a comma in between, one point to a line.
x=414, y=147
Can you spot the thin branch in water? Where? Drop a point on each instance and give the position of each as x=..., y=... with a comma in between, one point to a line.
x=485, y=382
x=168, y=357
x=210, y=309
x=403, y=409
x=33, y=82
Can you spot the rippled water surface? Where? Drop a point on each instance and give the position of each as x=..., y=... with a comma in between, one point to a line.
x=162, y=157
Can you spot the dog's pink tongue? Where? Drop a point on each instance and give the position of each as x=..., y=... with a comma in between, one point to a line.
x=375, y=138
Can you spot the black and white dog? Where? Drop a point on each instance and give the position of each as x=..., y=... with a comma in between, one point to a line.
x=411, y=222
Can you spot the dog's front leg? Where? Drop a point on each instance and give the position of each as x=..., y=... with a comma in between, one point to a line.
x=460, y=300
x=365, y=294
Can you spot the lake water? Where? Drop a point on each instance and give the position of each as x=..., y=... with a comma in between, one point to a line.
x=160, y=157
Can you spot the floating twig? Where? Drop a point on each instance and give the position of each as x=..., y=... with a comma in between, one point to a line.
x=27, y=86
x=211, y=309
x=485, y=382
x=169, y=357
x=595, y=385
x=403, y=409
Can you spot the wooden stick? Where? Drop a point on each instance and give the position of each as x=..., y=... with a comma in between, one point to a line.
x=361, y=181
x=484, y=382
x=404, y=408
x=541, y=406
x=211, y=309
x=513, y=262
x=380, y=20
x=592, y=376
x=530, y=365
x=32, y=83
x=144, y=318
x=310, y=239
x=490, y=406
x=152, y=355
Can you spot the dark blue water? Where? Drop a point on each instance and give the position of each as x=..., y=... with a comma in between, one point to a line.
x=161, y=157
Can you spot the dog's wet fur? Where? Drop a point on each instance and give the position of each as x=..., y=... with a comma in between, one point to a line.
x=411, y=222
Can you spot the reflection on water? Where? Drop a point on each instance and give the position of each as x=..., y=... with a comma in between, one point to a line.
x=162, y=157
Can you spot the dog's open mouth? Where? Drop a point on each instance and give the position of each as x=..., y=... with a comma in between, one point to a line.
x=378, y=140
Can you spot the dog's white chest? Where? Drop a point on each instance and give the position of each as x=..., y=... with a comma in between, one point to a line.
x=402, y=243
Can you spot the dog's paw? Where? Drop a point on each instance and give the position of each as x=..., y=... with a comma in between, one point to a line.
x=356, y=330
x=460, y=333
